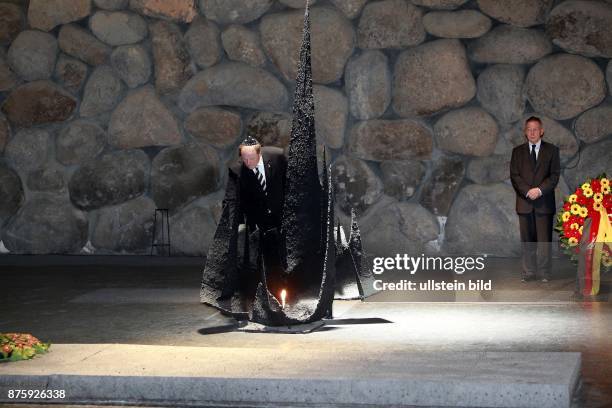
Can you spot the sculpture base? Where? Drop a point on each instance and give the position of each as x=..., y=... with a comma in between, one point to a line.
x=305, y=328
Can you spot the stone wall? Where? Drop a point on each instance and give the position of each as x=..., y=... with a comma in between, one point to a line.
x=112, y=108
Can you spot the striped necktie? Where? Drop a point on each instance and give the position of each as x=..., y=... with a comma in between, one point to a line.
x=260, y=178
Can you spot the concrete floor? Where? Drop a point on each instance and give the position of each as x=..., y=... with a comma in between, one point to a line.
x=144, y=302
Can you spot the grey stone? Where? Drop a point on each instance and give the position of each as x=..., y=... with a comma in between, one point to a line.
x=46, y=225
x=28, y=149
x=171, y=57
x=5, y=132
x=367, y=81
x=132, y=64
x=217, y=127
x=118, y=27
x=234, y=84
x=140, y=120
x=202, y=40
x=11, y=193
x=79, y=142
x=593, y=162
x=381, y=140
x=402, y=178
x=192, y=230
x=522, y=13
x=38, y=102
x=432, y=77
x=299, y=4
x=102, y=92
x=8, y=79
x=11, y=22
x=46, y=179
x=45, y=15
x=126, y=227
x=331, y=113
x=582, y=27
x=70, y=73
x=243, y=45
x=183, y=173
x=564, y=85
x=487, y=170
x=392, y=228
x=594, y=124
x=390, y=24
x=182, y=11
x=506, y=44
x=440, y=4
x=500, y=91
x=111, y=5
x=270, y=128
x=112, y=178
x=32, y=55
x=333, y=40
x=483, y=220
x=350, y=8
x=468, y=131
x=609, y=77
x=356, y=185
x=79, y=43
x=440, y=188
x=234, y=11
x=456, y=24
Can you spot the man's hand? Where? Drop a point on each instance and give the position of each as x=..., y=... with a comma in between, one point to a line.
x=534, y=193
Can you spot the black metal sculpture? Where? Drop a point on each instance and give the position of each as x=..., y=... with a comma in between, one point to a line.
x=311, y=255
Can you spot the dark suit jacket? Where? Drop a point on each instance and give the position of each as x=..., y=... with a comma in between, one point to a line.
x=545, y=176
x=257, y=208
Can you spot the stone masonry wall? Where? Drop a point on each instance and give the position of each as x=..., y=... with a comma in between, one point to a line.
x=112, y=108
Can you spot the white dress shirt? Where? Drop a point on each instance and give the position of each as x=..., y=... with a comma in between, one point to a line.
x=537, y=149
x=260, y=167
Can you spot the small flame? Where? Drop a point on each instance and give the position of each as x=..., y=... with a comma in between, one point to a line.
x=283, y=297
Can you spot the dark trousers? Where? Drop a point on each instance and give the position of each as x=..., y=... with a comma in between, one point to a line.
x=536, y=240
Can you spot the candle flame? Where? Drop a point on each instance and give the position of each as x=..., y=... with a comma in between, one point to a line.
x=283, y=297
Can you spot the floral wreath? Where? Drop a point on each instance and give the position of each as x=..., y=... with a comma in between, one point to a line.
x=20, y=346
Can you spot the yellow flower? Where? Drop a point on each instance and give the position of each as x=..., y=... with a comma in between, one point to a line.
x=605, y=182
x=566, y=216
x=583, y=212
x=607, y=261
x=574, y=226
x=598, y=197
x=580, y=229
x=588, y=192
x=585, y=186
x=572, y=198
x=597, y=206
x=572, y=241
x=605, y=189
x=575, y=209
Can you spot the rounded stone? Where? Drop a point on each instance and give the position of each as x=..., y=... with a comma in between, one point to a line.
x=46, y=225
x=32, y=55
x=609, y=76
x=432, y=77
x=594, y=124
x=488, y=170
x=390, y=24
x=482, y=221
x=469, y=131
x=8, y=79
x=28, y=149
x=299, y=4
x=79, y=142
x=172, y=65
x=234, y=11
x=112, y=178
x=132, y=64
x=356, y=185
x=331, y=113
x=183, y=11
x=217, y=127
x=183, y=173
x=402, y=178
x=79, y=43
x=202, y=40
x=11, y=193
x=456, y=24
x=102, y=92
x=243, y=45
x=440, y=4
x=70, y=73
x=564, y=85
x=5, y=132
x=381, y=140
x=521, y=13
x=582, y=27
x=367, y=81
x=46, y=179
x=350, y=8
x=333, y=40
x=270, y=128
x=500, y=91
x=126, y=227
x=441, y=186
x=11, y=22
x=141, y=119
x=593, y=162
x=112, y=5
x=506, y=44
x=45, y=15
x=118, y=27
x=192, y=231
x=234, y=84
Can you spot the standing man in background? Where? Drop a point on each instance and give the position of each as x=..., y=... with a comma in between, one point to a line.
x=534, y=172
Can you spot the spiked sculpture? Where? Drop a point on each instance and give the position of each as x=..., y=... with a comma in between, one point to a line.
x=307, y=234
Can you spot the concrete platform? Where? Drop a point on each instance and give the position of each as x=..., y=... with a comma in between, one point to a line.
x=213, y=376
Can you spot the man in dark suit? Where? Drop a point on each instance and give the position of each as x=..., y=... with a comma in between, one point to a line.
x=255, y=191
x=534, y=172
